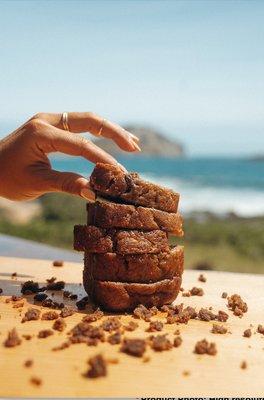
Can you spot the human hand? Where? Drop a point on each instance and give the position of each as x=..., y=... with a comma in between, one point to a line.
x=25, y=170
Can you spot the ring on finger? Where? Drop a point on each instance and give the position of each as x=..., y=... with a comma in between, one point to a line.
x=65, y=121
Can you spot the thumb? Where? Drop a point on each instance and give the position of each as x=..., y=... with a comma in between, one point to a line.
x=70, y=182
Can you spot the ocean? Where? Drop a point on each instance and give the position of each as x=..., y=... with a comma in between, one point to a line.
x=217, y=185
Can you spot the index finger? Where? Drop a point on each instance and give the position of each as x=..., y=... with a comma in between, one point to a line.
x=89, y=122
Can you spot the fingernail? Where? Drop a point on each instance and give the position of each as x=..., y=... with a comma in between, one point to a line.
x=136, y=146
x=88, y=194
x=134, y=137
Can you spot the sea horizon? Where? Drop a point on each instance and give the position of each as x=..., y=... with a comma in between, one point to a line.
x=219, y=185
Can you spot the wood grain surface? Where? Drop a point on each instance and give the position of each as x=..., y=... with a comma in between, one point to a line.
x=175, y=373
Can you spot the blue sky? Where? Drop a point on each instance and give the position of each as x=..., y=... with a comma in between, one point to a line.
x=193, y=69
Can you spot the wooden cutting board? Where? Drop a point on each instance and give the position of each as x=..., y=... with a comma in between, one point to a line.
x=178, y=372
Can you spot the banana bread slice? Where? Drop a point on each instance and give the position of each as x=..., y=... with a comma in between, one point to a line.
x=113, y=215
x=93, y=239
x=119, y=296
x=140, y=268
x=111, y=181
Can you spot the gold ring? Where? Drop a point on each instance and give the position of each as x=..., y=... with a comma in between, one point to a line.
x=65, y=121
x=101, y=127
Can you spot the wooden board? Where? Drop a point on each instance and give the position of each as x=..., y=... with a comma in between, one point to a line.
x=165, y=373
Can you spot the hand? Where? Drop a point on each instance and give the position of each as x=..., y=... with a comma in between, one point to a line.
x=25, y=170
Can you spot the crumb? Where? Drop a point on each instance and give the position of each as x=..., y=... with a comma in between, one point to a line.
x=81, y=304
x=45, y=333
x=115, y=338
x=195, y=291
x=238, y=312
x=222, y=316
x=67, y=312
x=69, y=295
x=12, y=339
x=160, y=343
x=59, y=285
x=50, y=315
x=52, y=304
x=31, y=287
x=202, y=278
x=95, y=316
x=219, y=329
x=206, y=315
x=146, y=359
x=112, y=361
x=247, y=333
x=131, y=326
x=165, y=308
x=155, y=326
x=13, y=275
x=28, y=363
x=186, y=373
x=191, y=311
x=16, y=298
x=224, y=295
x=177, y=332
x=18, y=305
x=62, y=346
x=204, y=347
x=177, y=341
x=32, y=314
x=84, y=332
x=66, y=294
x=237, y=305
x=134, y=347
x=144, y=313
x=181, y=315
x=27, y=337
x=58, y=263
x=111, y=324
x=39, y=297
x=154, y=310
x=97, y=367
x=51, y=280
x=186, y=294
x=35, y=381
x=260, y=329
x=59, y=325
x=243, y=365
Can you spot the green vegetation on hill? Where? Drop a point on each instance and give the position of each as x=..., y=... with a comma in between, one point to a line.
x=232, y=244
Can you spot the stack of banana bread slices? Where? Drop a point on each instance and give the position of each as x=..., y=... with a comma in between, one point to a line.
x=128, y=259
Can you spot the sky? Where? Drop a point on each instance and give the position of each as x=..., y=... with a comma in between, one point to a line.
x=192, y=69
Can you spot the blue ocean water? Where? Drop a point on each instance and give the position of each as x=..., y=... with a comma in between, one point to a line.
x=219, y=185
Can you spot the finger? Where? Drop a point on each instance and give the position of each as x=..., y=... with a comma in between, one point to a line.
x=68, y=182
x=89, y=122
x=53, y=139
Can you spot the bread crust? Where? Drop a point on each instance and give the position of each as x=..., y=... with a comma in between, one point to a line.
x=111, y=181
x=142, y=268
x=93, y=239
x=119, y=296
x=123, y=216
